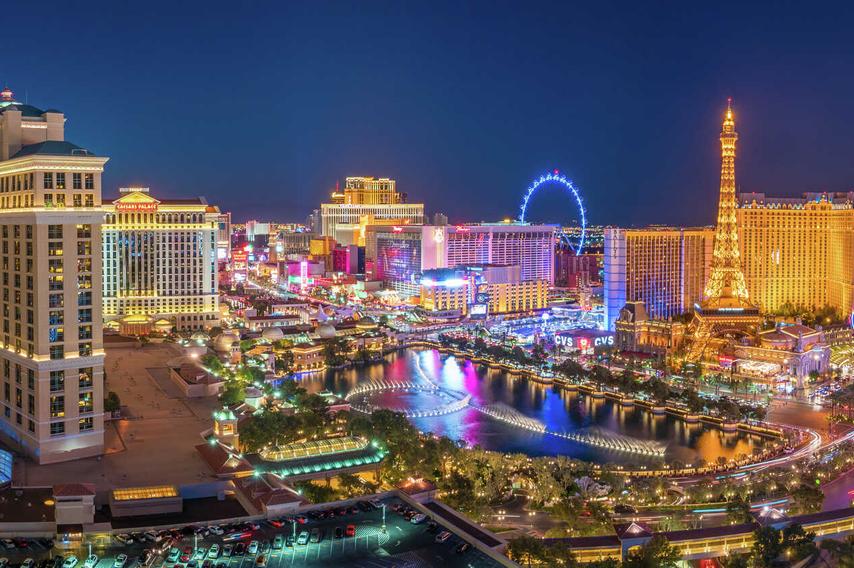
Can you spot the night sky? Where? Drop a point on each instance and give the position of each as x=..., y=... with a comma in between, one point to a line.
x=261, y=107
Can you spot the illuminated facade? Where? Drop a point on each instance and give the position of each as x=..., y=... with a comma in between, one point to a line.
x=663, y=267
x=498, y=289
x=725, y=310
x=160, y=260
x=396, y=254
x=50, y=224
x=798, y=252
x=366, y=200
x=223, y=237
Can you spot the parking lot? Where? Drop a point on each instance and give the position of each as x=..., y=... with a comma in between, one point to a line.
x=402, y=544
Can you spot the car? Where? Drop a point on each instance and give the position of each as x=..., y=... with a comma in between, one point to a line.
x=208, y=563
x=301, y=520
x=265, y=547
x=432, y=526
x=91, y=561
x=418, y=519
x=239, y=549
x=235, y=536
x=120, y=561
x=8, y=543
x=213, y=552
x=216, y=530
x=21, y=542
x=289, y=541
x=28, y=563
x=350, y=530
x=186, y=554
x=252, y=548
x=220, y=565
x=463, y=548
x=442, y=536
x=4, y=562
x=70, y=562
x=261, y=561
x=622, y=509
x=303, y=537
x=226, y=550
x=174, y=554
x=375, y=503
x=152, y=536
x=278, y=542
x=352, y=510
x=364, y=506
x=339, y=532
x=200, y=553
x=123, y=539
x=58, y=561
x=193, y=563
x=276, y=523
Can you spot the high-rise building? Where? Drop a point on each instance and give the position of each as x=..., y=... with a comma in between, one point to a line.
x=396, y=254
x=160, y=262
x=798, y=252
x=664, y=267
x=50, y=226
x=365, y=201
x=223, y=237
x=725, y=309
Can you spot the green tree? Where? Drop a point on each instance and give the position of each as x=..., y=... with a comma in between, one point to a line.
x=808, y=499
x=738, y=511
x=657, y=553
x=232, y=393
x=842, y=551
x=112, y=403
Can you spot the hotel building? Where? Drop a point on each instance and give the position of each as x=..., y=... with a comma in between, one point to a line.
x=798, y=252
x=52, y=347
x=398, y=254
x=664, y=267
x=160, y=265
x=366, y=201
x=481, y=290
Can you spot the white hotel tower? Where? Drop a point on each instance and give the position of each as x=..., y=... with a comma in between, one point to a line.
x=51, y=346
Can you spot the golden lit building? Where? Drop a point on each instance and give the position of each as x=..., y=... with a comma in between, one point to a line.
x=52, y=342
x=160, y=261
x=664, y=267
x=798, y=252
x=364, y=201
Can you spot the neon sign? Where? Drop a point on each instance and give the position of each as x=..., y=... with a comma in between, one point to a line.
x=149, y=207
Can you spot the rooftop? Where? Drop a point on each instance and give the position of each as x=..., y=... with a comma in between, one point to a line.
x=52, y=148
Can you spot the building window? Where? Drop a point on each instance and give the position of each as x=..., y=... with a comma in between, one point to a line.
x=85, y=377
x=57, y=428
x=57, y=406
x=84, y=316
x=90, y=181
x=57, y=381
x=54, y=231
x=48, y=180
x=57, y=352
x=76, y=181
x=60, y=180
x=87, y=423
x=85, y=349
x=85, y=402
x=84, y=231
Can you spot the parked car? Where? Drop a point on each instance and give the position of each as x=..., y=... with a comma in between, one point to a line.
x=443, y=536
x=4, y=562
x=252, y=548
x=200, y=554
x=351, y=530
x=226, y=550
x=316, y=534
x=339, y=532
x=289, y=541
x=214, y=551
x=301, y=539
x=120, y=561
x=91, y=561
x=239, y=549
x=418, y=519
x=28, y=563
x=70, y=562
x=174, y=554
x=463, y=548
x=278, y=542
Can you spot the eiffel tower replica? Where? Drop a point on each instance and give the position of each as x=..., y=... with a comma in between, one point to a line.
x=725, y=313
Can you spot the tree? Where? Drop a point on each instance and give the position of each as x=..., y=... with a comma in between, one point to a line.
x=808, y=498
x=657, y=553
x=738, y=511
x=285, y=363
x=841, y=551
x=232, y=393
x=112, y=403
x=793, y=544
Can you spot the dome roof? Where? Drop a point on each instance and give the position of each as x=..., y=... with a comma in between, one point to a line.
x=366, y=322
x=272, y=334
x=326, y=331
x=225, y=340
x=199, y=336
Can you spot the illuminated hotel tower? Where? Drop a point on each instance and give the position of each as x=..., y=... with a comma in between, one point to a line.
x=51, y=345
x=725, y=309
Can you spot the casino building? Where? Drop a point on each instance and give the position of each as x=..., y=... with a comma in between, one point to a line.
x=160, y=263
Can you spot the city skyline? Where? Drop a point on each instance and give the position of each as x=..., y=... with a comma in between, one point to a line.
x=621, y=112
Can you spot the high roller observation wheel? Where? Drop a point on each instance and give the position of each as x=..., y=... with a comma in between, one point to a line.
x=556, y=177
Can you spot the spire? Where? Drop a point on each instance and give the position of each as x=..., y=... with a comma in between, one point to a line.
x=726, y=283
x=6, y=95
